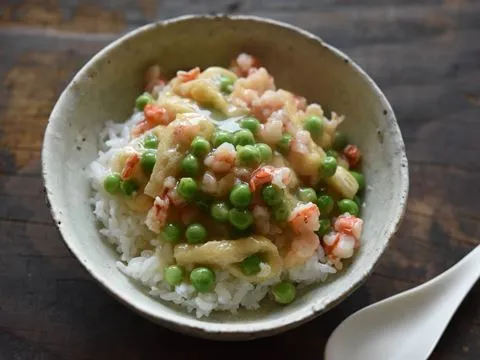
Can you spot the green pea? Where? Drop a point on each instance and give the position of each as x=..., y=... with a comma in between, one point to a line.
x=226, y=84
x=360, y=179
x=128, y=187
x=221, y=137
x=250, y=123
x=348, y=206
x=171, y=233
x=196, y=233
x=251, y=265
x=272, y=195
x=248, y=155
x=219, y=211
x=190, y=165
x=147, y=160
x=314, y=125
x=202, y=279
x=150, y=141
x=328, y=167
x=112, y=183
x=187, y=188
x=174, y=274
x=143, y=100
x=325, y=205
x=284, y=292
x=240, y=196
x=284, y=144
x=240, y=219
x=340, y=141
x=243, y=137
x=266, y=152
x=325, y=227
x=281, y=211
x=200, y=146
x=307, y=195
x=332, y=153
x=358, y=201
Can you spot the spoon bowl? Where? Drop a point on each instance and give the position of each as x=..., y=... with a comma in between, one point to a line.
x=407, y=325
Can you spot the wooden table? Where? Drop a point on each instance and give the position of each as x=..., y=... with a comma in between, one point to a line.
x=424, y=54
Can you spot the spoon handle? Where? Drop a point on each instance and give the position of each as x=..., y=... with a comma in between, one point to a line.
x=466, y=271
x=460, y=278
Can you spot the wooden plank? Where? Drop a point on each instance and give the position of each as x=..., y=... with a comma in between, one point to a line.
x=423, y=54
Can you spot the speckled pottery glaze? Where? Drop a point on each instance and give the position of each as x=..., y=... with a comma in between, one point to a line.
x=105, y=89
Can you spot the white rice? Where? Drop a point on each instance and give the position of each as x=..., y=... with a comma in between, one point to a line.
x=127, y=232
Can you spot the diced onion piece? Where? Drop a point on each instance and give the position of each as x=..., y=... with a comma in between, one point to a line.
x=344, y=183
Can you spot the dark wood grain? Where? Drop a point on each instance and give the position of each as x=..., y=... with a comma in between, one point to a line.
x=424, y=54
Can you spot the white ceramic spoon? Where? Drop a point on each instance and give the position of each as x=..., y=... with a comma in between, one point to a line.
x=406, y=326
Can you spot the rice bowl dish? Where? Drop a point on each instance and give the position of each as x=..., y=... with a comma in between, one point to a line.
x=222, y=189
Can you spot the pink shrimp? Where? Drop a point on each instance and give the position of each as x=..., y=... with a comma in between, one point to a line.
x=189, y=75
x=244, y=64
x=156, y=115
x=353, y=154
x=349, y=225
x=262, y=175
x=140, y=128
x=153, y=78
x=339, y=245
x=300, y=102
x=129, y=167
x=176, y=199
x=304, y=218
x=269, y=174
x=157, y=215
x=302, y=248
x=184, y=132
x=222, y=159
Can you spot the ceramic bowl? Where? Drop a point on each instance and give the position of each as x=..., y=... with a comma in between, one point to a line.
x=105, y=89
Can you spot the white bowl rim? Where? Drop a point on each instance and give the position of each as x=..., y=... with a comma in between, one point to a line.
x=258, y=327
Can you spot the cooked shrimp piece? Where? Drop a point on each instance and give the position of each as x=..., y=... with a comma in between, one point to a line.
x=222, y=159
x=153, y=79
x=142, y=127
x=225, y=184
x=262, y=175
x=353, y=154
x=269, y=174
x=157, y=215
x=282, y=177
x=209, y=183
x=301, y=142
x=271, y=132
x=129, y=167
x=300, y=102
x=244, y=63
x=349, y=225
x=305, y=218
x=269, y=102
x=302, y=248
x=156, y=115
x=175, y=198
x=189, y=75
x=189, y=125
x=339, y=245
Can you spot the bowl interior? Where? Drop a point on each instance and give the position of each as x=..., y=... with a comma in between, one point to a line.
x=105, y=89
